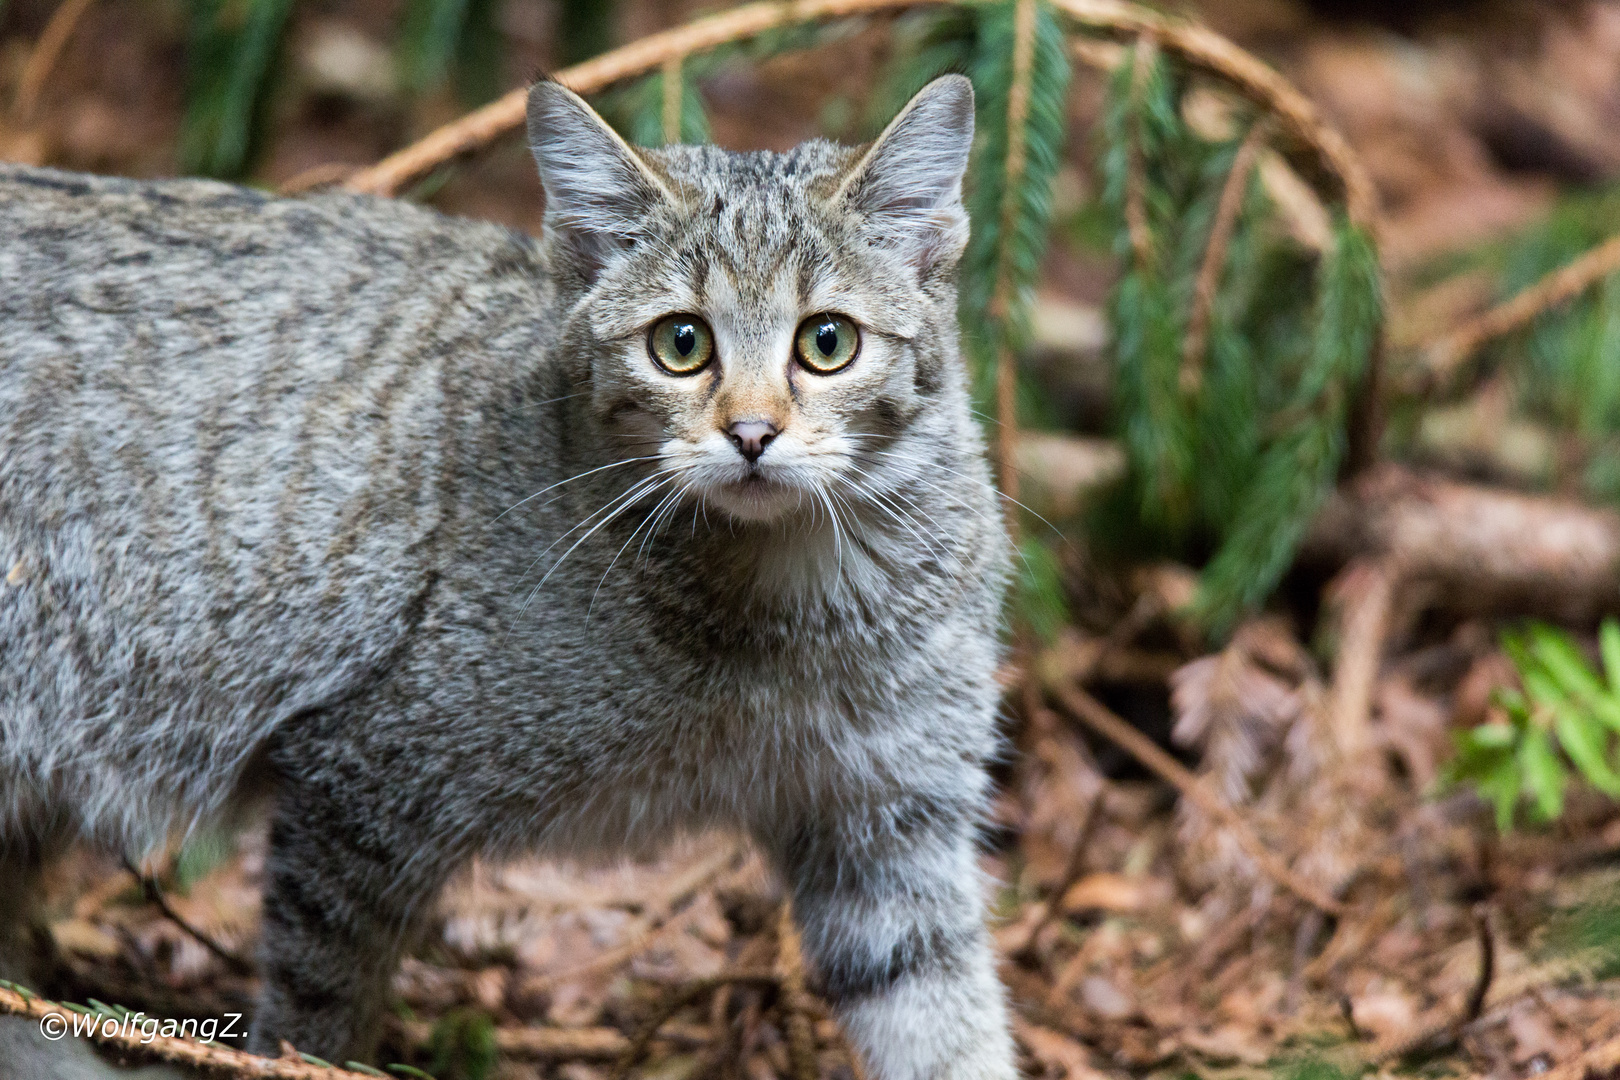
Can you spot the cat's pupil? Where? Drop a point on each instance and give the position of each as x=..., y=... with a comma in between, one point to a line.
x=685, y=339
x=827, y=339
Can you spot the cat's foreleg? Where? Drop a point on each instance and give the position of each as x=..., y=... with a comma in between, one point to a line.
x=347, y=886
x=890, y=904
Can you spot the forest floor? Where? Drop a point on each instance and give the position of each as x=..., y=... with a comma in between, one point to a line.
x=1141, y=935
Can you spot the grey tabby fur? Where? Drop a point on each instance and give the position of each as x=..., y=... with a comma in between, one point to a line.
x=393, y=517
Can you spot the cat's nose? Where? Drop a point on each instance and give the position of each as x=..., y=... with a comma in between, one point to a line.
x=751, y=437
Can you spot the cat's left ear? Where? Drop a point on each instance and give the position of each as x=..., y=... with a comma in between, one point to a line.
x=599, y=191
x=908, y=184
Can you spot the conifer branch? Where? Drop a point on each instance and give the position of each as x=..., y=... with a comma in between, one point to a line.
x=1208, y=51
x=1196, y=341
x=1023, y=63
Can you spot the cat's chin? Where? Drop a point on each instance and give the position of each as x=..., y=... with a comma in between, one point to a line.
x=756, y=500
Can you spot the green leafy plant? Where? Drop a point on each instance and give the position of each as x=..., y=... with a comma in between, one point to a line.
x=1564, y=719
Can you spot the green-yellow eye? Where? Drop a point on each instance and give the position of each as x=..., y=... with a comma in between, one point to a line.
x=827, y=343
x=681, y=344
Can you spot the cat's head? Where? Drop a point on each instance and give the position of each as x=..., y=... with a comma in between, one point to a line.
x=765, y=324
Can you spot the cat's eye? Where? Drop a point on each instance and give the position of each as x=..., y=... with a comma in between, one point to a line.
x=681, y=344
x=827, y=343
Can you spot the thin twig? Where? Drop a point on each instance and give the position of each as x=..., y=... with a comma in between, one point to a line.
x=1487, y=964
x=154, y=895
x=1095, y=715
x=677, y=1001
x=1209, y=272
x=1024, y=25
x=316, y=176
x=1072, y=872
x=1444, y=358
x=127, y=1035
x=674, y=91
x=1444, y=1035
x=1143, y=57
x=47, y=51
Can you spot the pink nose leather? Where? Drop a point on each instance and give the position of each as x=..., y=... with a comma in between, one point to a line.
x=751, y=437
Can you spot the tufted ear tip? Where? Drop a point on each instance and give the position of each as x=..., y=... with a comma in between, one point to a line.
x=908, y=184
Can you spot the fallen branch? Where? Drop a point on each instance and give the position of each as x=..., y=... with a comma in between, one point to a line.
x=1444, y=358
x=1095, y=715
x=1480, y=548
x=1298, y=119
x=121, y=1033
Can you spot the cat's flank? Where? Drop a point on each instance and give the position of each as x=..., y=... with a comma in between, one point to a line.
x=459, y=543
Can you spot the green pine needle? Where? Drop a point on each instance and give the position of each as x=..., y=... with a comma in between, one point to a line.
x=232, y=51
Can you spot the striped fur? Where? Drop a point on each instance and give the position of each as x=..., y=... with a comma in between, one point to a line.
x=389, y=518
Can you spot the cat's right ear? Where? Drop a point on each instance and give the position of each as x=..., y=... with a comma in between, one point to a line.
x=908, y=184
x=598, y=189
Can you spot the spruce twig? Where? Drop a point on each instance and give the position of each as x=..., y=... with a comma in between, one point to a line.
x=1143, y=58
x=1196, y=340
x=1444, y=358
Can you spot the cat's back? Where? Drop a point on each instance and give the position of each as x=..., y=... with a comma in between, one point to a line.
x=231, y=428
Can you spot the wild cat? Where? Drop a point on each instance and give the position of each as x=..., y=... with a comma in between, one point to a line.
x=461, y=543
